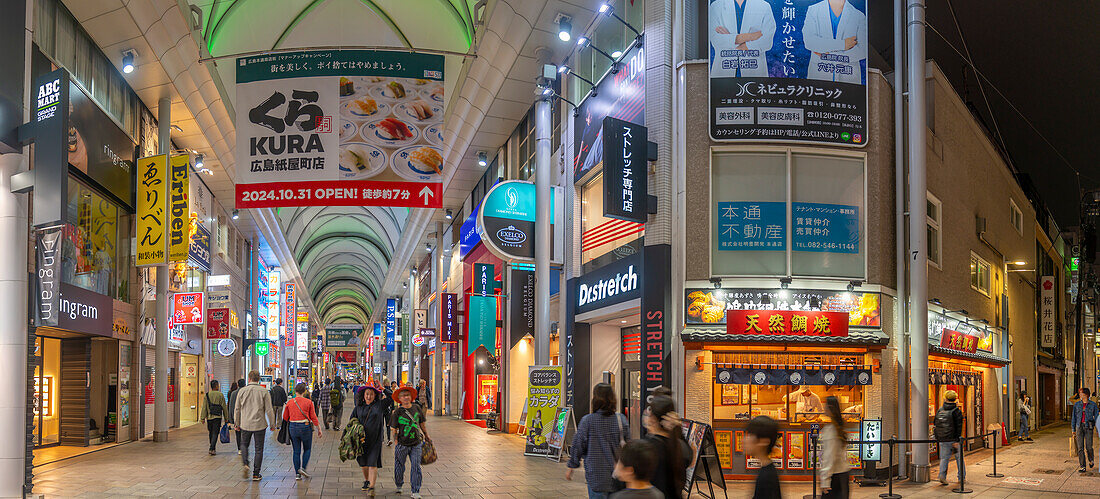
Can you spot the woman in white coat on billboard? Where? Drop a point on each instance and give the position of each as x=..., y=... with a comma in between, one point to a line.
x=846, y=44
x=740, y=42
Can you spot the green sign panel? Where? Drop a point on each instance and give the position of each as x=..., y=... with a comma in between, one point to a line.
x=339, y=63
x=482, y=324
x=261, y=348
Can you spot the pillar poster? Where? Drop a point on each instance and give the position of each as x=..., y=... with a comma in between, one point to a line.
x=545, y=390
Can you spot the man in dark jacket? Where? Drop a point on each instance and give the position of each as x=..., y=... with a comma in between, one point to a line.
x=387, y=405
x=232, y=419
x=1083, y=421
x=278, y=400
x=948, y=431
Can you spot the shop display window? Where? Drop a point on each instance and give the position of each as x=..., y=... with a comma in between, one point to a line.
x=604, y=240
x=791, y=403
x=92, y=256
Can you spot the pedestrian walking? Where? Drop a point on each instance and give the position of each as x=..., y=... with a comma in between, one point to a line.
x=302, y=418
x=424, y=395
x=948, y=427
x=599, y=438
x=1083, y=422
x=759, y=440
x=635, y=468
x=370, y=412
x=407, y=424
x=315, y=396
x=1025, y=416
x=236, y=386
x=278, y=400
x=833, y=470
x=336, y=401
x=213, y=411
x=325, y=398
x=387, y=404
x=673, y=454
x=254, y=416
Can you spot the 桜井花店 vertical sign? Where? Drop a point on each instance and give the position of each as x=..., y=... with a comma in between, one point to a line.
x=340, y=127
x=152, y=211
x=625, y=170
x=1046, y=311
x=179, y=214
x=788, y=70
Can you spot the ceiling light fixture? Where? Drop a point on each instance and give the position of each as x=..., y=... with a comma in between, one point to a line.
x=198, y=161
x=177, y=128
x=482, y=158
x=617, y=54
x=448, y=214
x=236, y=214
x=606, y=9
x=128, y=61
x=428, y=246
x=565, y=28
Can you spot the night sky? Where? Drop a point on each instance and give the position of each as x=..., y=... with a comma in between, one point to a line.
x=1043, y=57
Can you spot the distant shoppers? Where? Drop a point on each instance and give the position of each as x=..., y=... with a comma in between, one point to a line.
x=672, y=452
x=302, y=418
x=325, y=398
x=948, y=427
x=599, y=438
x=370, y=412
x=424, y=395
x=232, y=414
x=1025, y=416
x=407, y=423
x=833, y=471
x=634, y=468
x=387, y=402
x=315, y=396
x=759, y=440
x=278, y=400
x=254, y=416
x=336, y=399
x=214, y=411
x=1083, y=422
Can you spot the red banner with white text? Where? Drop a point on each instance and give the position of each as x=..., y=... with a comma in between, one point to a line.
x=787, y=322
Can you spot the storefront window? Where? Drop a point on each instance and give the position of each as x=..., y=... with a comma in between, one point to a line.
x=604, y=240
x=92, y=256
x=785, y=402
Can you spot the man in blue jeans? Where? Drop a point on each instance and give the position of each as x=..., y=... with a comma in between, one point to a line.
x=254, y=415
x=407, y=426
x=1082, y=422
x=948, y=430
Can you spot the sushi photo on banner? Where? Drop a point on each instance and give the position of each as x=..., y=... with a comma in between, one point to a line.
x=340, y=127
x=788, y=70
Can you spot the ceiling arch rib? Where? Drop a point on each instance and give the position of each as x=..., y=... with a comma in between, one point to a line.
x=345, y=311
x=344, y=274
x=346, y=305
x=340, y=282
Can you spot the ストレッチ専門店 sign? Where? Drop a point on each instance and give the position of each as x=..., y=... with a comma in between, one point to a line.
x=786, y=323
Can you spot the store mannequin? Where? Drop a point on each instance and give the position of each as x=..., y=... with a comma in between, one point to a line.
x=805, y=401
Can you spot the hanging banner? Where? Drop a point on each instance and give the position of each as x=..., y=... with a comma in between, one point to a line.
x=342, y=335
x=217, y=323
x=290, y=309
x=619, y=95
x=788, y=70
x=786, y=323
x=187, y=308
x=47, y=279
x=521, y=305
x=481, y=323
x=179, y=214
x=420, y=319
x=506, y=220
x=1046, y=311
x=448, y=320
x=625, y=170
x=709, y=305
x=545, y=393
x=340, y=128
x=151, y=218
x=793, y=376
x=391, y=325
x=199, y=250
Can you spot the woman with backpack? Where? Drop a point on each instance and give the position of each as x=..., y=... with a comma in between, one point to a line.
x=834, y=469
x=598, y=441
x=214, y=411
x=371, y=414
x=301, y=418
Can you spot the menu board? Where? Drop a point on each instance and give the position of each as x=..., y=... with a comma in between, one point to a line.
x=796, y=450
x=777, y=451
x=737, y=436
x=853, y=451
x=723, y=441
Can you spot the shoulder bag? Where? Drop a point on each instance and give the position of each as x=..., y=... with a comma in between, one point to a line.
x=616, y=484
x=427, y=452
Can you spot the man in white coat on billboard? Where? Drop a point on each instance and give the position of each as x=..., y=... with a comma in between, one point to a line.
x=835, y=33
x=741, y=31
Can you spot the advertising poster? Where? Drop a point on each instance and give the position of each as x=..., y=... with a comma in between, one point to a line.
x=179, y=212
x=348, y=356
x=342, y=335
x=151, y=219
x=777, y=451
x=723, y=440
x=825, y=228
x=545, y=393
x=788, y=70
x=340, y=128
x=556, y=438
x=853, y=451
x=796, y=450
x=124, y=350
x=217, y=323
x=486, y=393
x=752, y=226
x=621, y=96
x=709, y=305
x=98, y=147
x=187, y=308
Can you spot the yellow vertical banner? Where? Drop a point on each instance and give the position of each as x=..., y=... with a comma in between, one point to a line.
x=179, y=240
x=545, y=393
x=152, y=210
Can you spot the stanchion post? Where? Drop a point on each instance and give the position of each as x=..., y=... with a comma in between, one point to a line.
x=890, y=472
x=962, y=476
x=994, y=474
x=813, y=457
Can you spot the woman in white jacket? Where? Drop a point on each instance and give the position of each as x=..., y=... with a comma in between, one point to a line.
x=832, y=472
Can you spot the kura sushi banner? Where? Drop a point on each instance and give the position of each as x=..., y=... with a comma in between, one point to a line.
x=340, y=127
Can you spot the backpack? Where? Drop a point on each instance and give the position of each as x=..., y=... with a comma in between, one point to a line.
x=351, y=443
x=335, y=397
x=215, y=410
x=944, y=424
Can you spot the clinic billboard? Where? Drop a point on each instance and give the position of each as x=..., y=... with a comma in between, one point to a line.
x=788, y=71
x=340, y=127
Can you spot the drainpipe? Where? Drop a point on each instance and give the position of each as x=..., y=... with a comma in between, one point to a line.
x=900, y=321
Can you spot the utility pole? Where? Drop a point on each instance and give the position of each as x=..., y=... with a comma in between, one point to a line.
x=543, y=152
x=160, y=374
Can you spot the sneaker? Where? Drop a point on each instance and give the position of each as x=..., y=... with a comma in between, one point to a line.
x=397, y=491
x=943, y=481
x=245, y=471
x=1081, y=470
x=238, y=452
x=366, y=485
x=1029, y=439
x=256, y=478
x=297, y=476
x=212, y=453
x=415, y=495
x=303, y=473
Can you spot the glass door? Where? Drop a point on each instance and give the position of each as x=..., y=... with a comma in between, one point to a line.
x=631, y=378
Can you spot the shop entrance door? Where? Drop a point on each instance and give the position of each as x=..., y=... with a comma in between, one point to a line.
x=631, y=379
x=1048, y=394
x=189, y=390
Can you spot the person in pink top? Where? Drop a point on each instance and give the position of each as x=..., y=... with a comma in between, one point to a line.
x=302, y=418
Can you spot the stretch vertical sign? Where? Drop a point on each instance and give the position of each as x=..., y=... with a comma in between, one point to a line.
x=152, y=210
x=625, y=170
x=448, y=318
x=179, y=219
x=48, y=279
x=391, y=324
x=656, y=302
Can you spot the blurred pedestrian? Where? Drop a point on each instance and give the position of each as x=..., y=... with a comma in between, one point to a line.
x=370, y=412
x=759, y=440
x=948, y=428
x=673, y=454
x=833, y=470
x=302, y=418
x=325, y=397
x=600, y=435
x=388, y=403
x=336, y=402
x=214, y=411
x=407, y=423
x=254, y=416
x=635, y=468
x=424, y=395
x=232, y=415
x=278, y=400
x=1085, y=412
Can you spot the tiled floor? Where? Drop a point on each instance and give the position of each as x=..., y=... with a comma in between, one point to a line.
x=471, y=463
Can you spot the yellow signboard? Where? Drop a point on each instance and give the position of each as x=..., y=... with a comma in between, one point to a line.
x=179, y=214
x=152, y=210
x=723, y=440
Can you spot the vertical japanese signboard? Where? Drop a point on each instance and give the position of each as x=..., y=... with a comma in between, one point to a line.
x=544, y=396
x=1046, y=311
x=340, y=127
x=788, y=70
x=625, y=170
x=391, y=325
x=448, y=320
x=290, y=309
x=179, y=214
x=152, y=211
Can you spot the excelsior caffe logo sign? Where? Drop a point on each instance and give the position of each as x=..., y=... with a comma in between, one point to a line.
x=608, y=285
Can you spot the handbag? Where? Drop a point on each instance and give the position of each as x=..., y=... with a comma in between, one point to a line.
x=224, y=434
x=427, y=452
x=284, y=433
x=616, y=484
